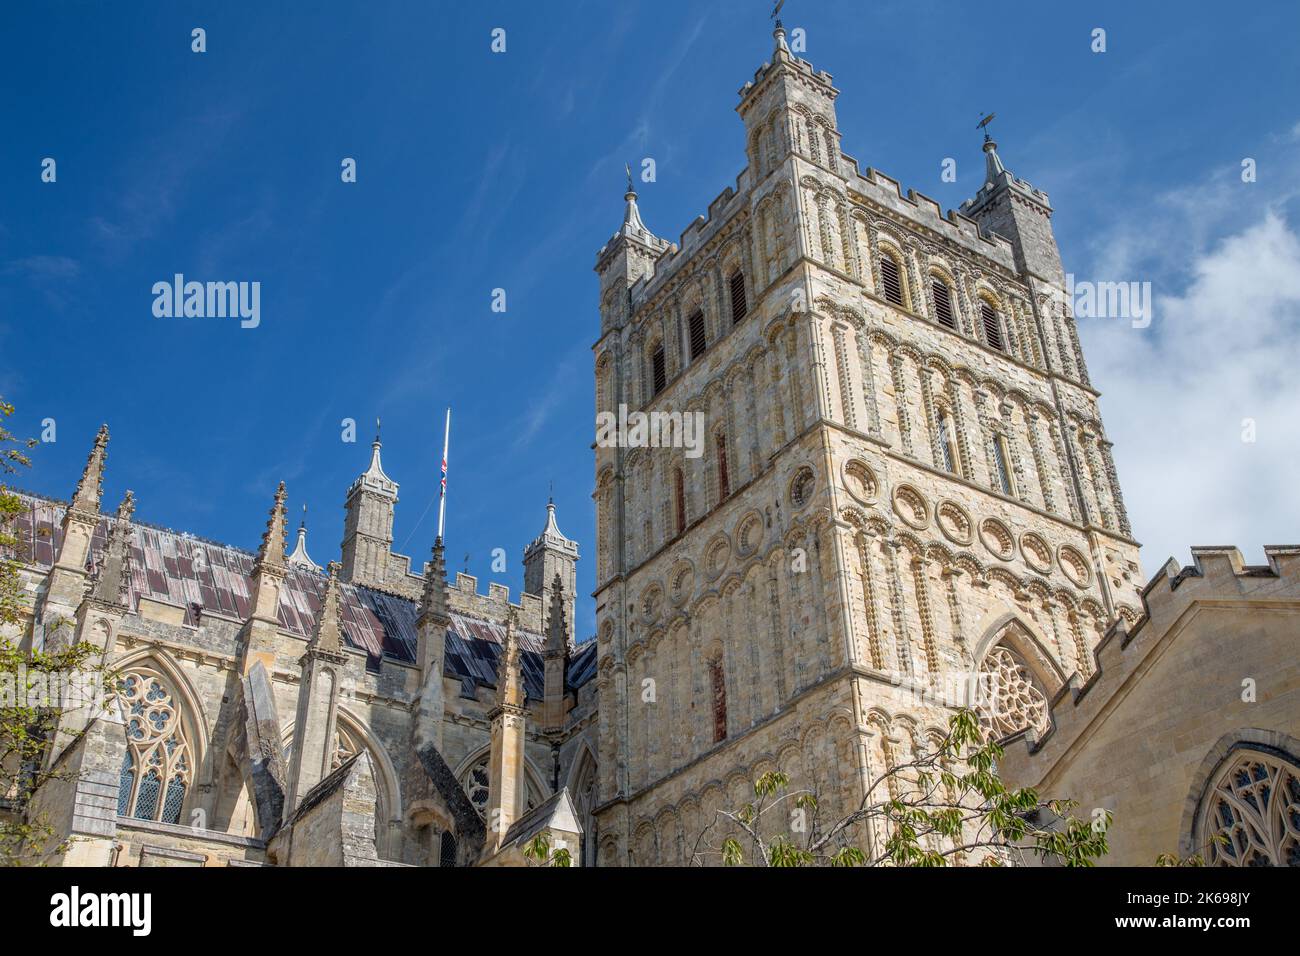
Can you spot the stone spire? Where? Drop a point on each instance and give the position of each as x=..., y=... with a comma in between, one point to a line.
x=555, y=659
x=266, y=581
x=91, y=486
x=993, y=168
x=632, y=226
x=327, y=636
x=300, y=556
x=431, y=640
x=270, y=554
x=506, y=785
x=550, y=554
x=315, y=728
x=368, y=523
x=66, y=585
x=113, y=574
x=510, y=685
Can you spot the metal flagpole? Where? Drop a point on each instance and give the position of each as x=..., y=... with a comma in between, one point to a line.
x=442, y=497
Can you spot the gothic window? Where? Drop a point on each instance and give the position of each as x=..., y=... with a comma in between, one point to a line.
x=801, y=488
x=1007, y=699
x=891, y=279
x=1000, y=458
x=679, y=495
x=478, y=784
x=739, y=307
x=718, y=690
x=1251, y=812
x=658, y=369
x=699, y=341
x=943, y=303
x=724, y=478
x=447, y=849
x=946, y=444
x=992, y=327
x=158, y=767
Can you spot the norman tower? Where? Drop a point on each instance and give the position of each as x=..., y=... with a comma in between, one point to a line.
x=368, y=524
x=904, y=480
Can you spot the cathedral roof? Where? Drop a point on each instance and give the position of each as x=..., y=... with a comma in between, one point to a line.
x=206, y=578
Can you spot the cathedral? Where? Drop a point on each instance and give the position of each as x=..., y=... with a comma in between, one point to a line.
x=903, y=481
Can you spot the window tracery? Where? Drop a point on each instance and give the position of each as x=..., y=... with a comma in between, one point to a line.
x=159, y=765
x=1008, y=700
x=1252, y=812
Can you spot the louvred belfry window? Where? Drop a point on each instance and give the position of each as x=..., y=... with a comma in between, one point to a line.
x=724, y=478
x=679, y=494
x=739, y=307
x=718, y=686
x=992, y=328
x=698, y=340
x=891, y=280
x=943, y=304
x=659, y=370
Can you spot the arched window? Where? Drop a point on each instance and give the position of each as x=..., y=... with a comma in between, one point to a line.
x=159, y=765
x=891, y=279
x=698, y=337
x=739, y=307
x=447, y=849
x=1250, y=812
x=478, y=785
x=679, y=498
x=718, y=697
x=943, y=303
x=658, y=370
x=992, y=326
x=1007, y=698
x=946, y=449
x=1000, y=460
x=724, y=477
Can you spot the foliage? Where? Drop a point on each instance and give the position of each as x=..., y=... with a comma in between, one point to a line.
x=538, y=852
x=26, y=719
x=948, y=806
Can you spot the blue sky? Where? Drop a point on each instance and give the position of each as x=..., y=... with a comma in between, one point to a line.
x=479, y=171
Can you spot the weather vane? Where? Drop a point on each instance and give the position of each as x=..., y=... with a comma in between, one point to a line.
x=776, y=11
x=377, y=428
x=628, y=167
x=984, y=125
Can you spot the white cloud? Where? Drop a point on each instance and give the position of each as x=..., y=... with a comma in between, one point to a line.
x=1224, y=348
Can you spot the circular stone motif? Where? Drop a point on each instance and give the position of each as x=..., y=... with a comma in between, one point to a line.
x=911, y=507
x=1074, y=564
x=652, y=601
x=997, y=538
x=860, y=481
x=681, y=583
x=1036, y=552
x=801, y=486
x=955, y=523
x=749, y=534
x=715, y=558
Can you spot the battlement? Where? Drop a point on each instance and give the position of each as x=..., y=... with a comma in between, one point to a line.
x=764, y=71
x=464, y=598
x=953, y=225
x=1218, y=576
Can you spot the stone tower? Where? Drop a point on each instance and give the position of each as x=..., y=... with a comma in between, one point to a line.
x=549, y=555
x=899, y=481
x=368, y=524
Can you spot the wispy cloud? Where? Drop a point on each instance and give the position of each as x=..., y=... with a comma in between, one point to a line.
x=1201, y=405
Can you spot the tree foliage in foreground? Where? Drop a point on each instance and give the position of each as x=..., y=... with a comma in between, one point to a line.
x=946, y=807
x=26, y=717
